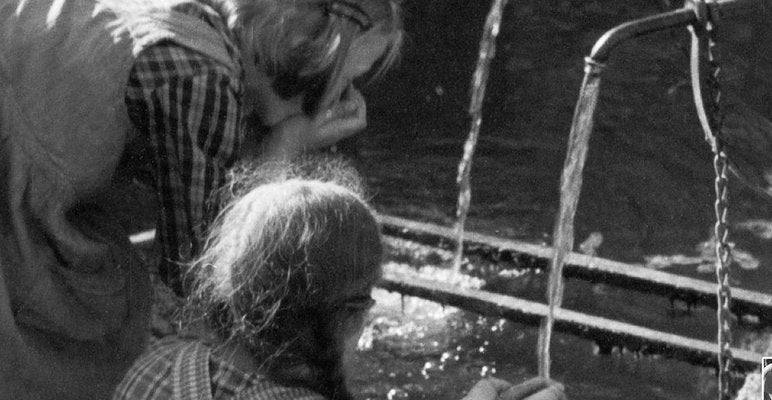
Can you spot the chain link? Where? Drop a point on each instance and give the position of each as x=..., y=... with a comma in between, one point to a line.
x=723, y=261
x=721, y=206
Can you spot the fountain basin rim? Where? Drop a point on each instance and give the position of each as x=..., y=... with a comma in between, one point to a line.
x=603, y=330
x=580, y=266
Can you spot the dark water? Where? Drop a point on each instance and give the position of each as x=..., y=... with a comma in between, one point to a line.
x=417, y=349
x=647, y=183
x=431, y=352
x=648, y=179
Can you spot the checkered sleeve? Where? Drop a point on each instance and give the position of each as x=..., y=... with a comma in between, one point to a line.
x=189, y=108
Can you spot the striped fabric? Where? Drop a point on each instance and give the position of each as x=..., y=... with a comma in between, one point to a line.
x=188, y=107
x=180, y=369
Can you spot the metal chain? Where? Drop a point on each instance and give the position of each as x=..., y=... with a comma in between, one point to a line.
x=721, y=206
x=723, y=261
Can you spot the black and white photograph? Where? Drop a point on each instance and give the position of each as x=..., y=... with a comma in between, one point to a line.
x=385, y=199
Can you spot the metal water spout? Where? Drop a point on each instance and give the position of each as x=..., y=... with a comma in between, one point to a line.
x=693, y=13
x=700, y=16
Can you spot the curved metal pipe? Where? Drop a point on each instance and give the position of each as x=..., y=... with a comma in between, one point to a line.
x=612, y=38
x=672, y=19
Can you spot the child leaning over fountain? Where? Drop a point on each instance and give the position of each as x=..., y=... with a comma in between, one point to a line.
x=285, y=281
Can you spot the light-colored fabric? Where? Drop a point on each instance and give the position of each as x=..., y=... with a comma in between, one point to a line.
x=183, y=369
x=73, y=294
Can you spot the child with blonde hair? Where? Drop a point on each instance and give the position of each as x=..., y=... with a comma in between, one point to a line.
x=285, y=281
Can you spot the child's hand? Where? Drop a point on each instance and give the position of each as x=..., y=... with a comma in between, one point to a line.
x=535, y=389
x=532, y=389
x=299, y=133
x=343, y=119
x=488, y=389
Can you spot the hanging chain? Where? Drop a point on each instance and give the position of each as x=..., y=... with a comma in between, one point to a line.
x=723, y=261
x=721, y=206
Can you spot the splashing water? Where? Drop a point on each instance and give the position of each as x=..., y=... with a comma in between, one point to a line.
x=479, y=80
x=570, y=188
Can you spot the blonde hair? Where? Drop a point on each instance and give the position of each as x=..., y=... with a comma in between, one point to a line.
x=281, y=262
x=303, y=45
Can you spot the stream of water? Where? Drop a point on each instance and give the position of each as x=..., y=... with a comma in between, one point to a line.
x=570, y=188
x=479, y=81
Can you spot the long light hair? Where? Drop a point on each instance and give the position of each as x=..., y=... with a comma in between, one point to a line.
x=303, y=46
x=281, y=260
x=300, y=44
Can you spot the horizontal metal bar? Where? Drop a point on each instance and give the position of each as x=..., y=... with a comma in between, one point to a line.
x=594, y=269
x=605, y=331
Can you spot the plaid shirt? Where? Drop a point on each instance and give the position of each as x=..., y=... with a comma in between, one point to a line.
x=189, y=109
x=174, y=368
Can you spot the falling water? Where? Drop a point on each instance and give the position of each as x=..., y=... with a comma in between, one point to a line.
x=570, y=187
x=479, y=80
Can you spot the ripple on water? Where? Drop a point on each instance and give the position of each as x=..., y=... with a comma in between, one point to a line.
x=419, y=349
